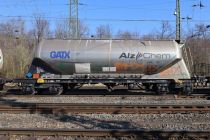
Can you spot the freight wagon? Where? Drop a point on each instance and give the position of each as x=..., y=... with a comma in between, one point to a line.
x=151, y=65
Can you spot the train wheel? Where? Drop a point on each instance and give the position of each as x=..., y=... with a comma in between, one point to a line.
x=131, y=86
x=187, y=88
x=65, y=88
x=72, y=86
x=110, y=88
x=1, y=87
x=30, y=90
x=56, y=90
x=162, y=89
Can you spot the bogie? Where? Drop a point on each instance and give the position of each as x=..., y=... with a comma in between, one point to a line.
x=29, y=90
x=56, y=90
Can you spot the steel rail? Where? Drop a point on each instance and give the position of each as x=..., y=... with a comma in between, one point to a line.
x=177, y=97
x=108, y=133
x=64, y=108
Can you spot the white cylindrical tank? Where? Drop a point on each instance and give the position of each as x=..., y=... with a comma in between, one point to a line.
x=108, y=56
x=1, y=59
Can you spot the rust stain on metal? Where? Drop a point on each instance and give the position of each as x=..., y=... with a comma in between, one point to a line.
x=120, y=66
x=169, y=71
x=151, y=69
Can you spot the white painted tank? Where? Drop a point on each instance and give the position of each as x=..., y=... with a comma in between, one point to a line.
x=68, y=57
x=1, y=59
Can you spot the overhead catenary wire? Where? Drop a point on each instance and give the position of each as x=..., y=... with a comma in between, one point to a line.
x=101, y=19
x=90, y=7
x=54, y=16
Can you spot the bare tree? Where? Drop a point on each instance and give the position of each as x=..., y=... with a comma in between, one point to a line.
x=20, y=27
x=198, y=42
x=166, y=31
x=41, y=28
x=202, y=31
x=62, y=29
x=83, y=30
x=124, y=34
x=16, y=49
x=149, y=36
x=8, y=28
x=104, y=32
x=128, y=35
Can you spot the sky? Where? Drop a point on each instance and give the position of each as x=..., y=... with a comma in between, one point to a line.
x=142, y=16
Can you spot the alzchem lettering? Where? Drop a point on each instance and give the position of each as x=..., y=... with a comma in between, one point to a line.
x=140, y=56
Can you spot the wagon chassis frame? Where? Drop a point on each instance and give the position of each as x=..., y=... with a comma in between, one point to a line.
x=163, y=85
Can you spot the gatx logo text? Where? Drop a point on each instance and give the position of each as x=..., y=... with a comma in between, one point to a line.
x=60, y=54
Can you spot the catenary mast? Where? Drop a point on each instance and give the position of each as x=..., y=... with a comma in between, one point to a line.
x=178, y=21
x=73, y=20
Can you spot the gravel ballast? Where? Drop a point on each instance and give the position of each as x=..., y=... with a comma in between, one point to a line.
x=107, y=121
x=107, y=100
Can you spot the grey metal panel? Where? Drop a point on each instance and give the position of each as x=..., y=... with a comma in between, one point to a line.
x=127, y=56
x=82, y=68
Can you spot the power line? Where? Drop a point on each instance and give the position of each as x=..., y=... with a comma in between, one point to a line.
x=102, y=19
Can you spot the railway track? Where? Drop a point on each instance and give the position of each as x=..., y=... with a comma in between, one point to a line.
x=177, y=97
x=64, y=108
x=102, y=134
